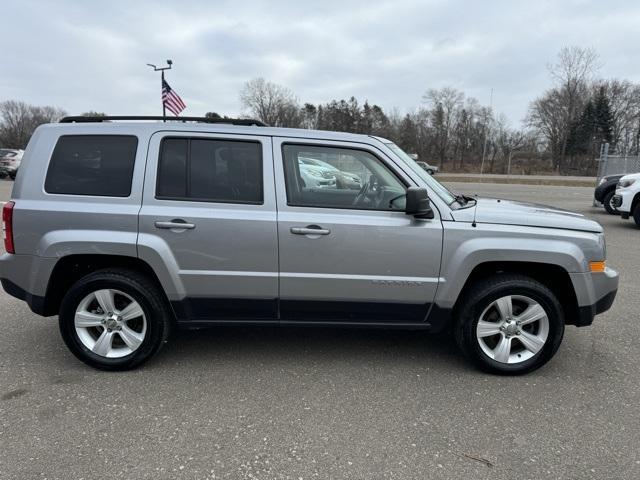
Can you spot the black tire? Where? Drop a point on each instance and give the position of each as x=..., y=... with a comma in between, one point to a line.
x=480, y=296
x=430, y=172
x=12, y=176
x=142, y=290
x=606, y=201
x=636, y=214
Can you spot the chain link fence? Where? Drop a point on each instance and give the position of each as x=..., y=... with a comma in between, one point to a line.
x=611, y=164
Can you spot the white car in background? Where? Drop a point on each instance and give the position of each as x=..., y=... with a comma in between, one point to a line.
x=10, y=162
x=316, y=177
x=344, y=179
x=627, y=197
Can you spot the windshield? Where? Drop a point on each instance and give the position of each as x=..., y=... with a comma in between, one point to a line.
x=435, y=185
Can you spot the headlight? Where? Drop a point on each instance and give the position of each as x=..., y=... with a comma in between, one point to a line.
x=602, y=180
x=626, y=183
x=603, y=245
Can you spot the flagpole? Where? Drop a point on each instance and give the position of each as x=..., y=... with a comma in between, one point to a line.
x=164, y=108
x=161, y=70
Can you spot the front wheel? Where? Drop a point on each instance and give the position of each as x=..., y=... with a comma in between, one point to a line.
x=636, y=214
x=509, y=324
x=607, y=201
x=114, y=319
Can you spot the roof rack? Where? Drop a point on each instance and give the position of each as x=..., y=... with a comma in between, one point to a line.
x=233, y=121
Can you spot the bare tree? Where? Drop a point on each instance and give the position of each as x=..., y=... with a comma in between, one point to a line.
x=548, y=116
x=624, y=100
x=573, y=70
x=274, y=104
x=18, y=120
x=445, y=103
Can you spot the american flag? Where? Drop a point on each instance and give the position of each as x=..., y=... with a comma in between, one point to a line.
x=171, y=100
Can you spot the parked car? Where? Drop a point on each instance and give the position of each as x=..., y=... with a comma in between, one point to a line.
x=605, y=191
x=316, y=177
x=627, y=197
x=344, y=179
x=127, y=229
x=10, y=162
x=430, y=169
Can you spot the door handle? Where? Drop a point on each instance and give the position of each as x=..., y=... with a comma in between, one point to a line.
x=175, y=224
x=310, y=230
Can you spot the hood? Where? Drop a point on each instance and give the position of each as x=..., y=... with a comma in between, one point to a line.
x=509, y=212
x=631, y=176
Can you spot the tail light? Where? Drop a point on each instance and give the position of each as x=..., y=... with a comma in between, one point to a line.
x=7, y=220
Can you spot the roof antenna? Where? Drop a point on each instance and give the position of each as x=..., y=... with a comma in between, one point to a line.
x=475, y=210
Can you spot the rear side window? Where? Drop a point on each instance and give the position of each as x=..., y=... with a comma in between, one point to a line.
x=99, y=165
x=208, y=170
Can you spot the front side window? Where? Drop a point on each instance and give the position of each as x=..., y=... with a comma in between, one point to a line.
x=208, y=170
x=333, y=177
x=92, y=165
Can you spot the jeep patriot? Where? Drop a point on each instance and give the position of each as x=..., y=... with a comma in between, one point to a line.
x=126, y=227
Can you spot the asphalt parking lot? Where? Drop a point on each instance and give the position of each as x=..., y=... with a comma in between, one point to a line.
x=303, y=403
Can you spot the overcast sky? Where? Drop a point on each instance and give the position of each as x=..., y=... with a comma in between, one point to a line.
x=90, y=55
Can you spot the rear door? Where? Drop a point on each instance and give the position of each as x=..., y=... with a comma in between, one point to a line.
x=208, y=225
x=348, y=252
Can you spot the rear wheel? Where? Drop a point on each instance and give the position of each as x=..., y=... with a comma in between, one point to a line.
x=114, y=319
x=607, y=201
x=509, y=324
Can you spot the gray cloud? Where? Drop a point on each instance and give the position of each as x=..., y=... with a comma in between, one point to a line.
x=92, y=55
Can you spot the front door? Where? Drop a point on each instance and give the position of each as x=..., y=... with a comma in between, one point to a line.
x=348, y=252
x=208, y=225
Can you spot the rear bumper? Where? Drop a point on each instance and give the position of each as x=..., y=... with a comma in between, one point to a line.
x=26, y=277
x=35, y=302
x=601, y=191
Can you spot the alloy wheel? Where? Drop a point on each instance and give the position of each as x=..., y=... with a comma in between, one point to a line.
x=512, y=329
x=110, y=323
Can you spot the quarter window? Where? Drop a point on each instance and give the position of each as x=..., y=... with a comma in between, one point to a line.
x=92, y=165
x=196, y=169
x=331, y=177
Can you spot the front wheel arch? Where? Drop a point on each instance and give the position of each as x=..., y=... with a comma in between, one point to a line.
x=555, y=277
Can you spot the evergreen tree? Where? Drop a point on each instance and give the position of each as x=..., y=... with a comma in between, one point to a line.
x=603, y=118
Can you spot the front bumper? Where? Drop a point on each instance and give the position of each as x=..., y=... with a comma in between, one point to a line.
x=595, y=293
x=601, y=191
x=622, y=200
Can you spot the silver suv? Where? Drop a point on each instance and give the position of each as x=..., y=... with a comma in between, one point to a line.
x=125, y=229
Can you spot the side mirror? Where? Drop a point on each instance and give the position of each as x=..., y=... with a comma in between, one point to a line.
x=418, y=203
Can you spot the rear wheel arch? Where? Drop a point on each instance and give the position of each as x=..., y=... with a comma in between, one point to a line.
x=71, y=268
